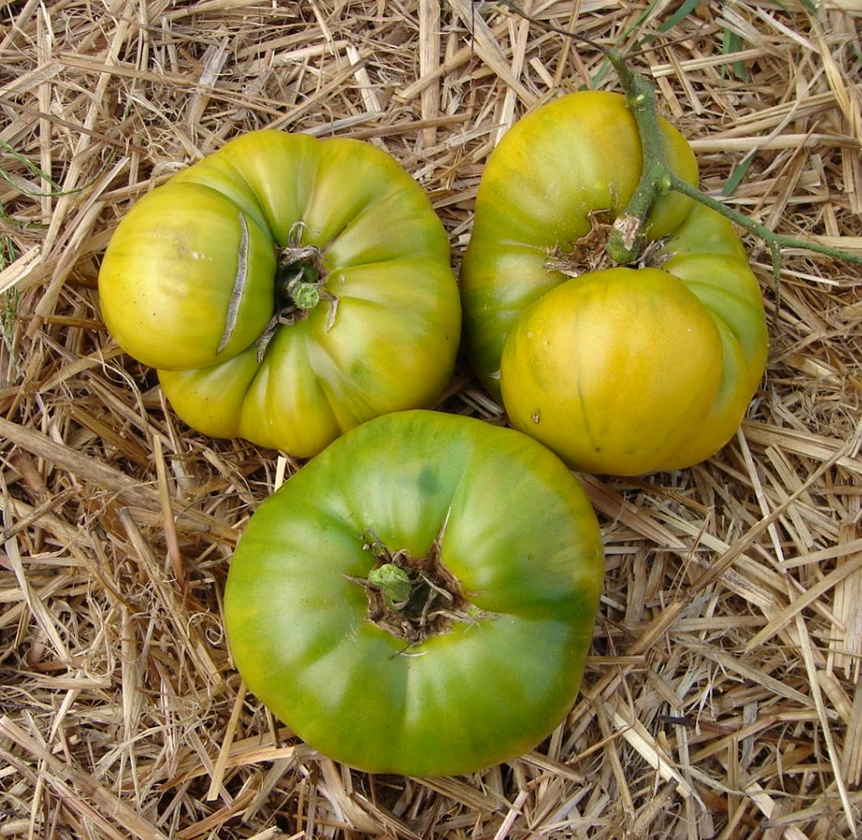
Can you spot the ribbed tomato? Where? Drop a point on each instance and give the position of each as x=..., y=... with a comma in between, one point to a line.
x=618, y=370
x=287, y=289
x=420, y=597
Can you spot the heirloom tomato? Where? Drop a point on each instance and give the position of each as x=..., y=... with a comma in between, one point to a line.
x=619, y=370
x=420, y=597
x=287, y=289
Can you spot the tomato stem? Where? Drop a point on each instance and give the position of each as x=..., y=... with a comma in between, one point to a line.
x=627, y=239
x=658, y=178
x=394, y=583
x=305, y=295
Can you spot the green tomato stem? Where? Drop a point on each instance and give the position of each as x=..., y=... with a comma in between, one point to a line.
x=657, y=177
x=394, y=583
x=626, y=240
x=414, y=598
x=772, y=239
x=305, y=295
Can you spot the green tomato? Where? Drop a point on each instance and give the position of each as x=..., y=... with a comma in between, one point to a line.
x=287, y=289
x=420, y=597
x=619, y=370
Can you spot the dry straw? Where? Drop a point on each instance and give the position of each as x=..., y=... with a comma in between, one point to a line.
x=723, y=698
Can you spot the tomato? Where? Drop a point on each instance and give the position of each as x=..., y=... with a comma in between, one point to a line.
x=619, y=370
x=287, y=289
x=420, y=597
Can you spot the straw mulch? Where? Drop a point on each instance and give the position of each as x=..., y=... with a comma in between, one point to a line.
x=722, y=699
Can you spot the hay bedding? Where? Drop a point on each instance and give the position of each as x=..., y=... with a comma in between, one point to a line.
x=722, y=700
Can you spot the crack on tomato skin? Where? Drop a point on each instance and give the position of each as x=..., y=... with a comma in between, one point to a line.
x=239, y=282
x=413, y=598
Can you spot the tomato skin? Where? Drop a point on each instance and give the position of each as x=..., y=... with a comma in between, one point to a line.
x=604, y=389
x=518, y=533
x=626, y=325
x=171, y=269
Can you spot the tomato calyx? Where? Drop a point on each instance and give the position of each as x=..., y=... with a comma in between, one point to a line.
x=590, y=252
x=587, y=253
x=414, y=598
x=300, y=280
x=299, y=284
